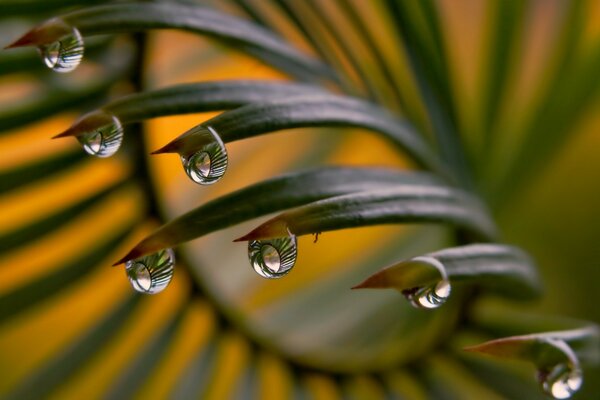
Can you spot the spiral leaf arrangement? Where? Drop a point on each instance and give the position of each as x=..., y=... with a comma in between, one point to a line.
x=243, y=337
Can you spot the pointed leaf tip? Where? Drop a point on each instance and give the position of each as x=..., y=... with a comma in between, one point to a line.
x=375, y=281
x=25, y=40
x=69, y=132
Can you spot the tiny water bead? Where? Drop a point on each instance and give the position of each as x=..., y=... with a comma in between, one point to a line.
x=64, y=54
x=151, y=274
x=209, y=164
x=561, y=381
x=105, y=140
x=273, y=258
x=432, y=295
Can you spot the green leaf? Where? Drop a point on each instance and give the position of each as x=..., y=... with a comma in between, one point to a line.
x=276, y=194
x=48, y=285
x=402, y=204
x=192, y=98
x=136, y=17
x=500, y=268
x=541, y=348
x=305, y=111
x=423, y=45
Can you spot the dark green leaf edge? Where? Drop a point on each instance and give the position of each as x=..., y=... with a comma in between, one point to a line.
x=283, y=192
x=402, y=204
x=306, y=111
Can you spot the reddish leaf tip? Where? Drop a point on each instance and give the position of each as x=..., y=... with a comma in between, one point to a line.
x=23, y=41
x=66, y=133
x=162, y=150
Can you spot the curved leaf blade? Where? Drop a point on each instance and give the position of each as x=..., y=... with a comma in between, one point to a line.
x=500, y=268
x=538, y=347
x=306, y=111
x=276, y=194
x=402, y=204
x=136, y=17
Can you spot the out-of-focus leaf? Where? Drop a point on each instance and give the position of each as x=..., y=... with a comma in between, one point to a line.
x=305, y=111
x=56, y=370
x=30, y=173
x=403, y=204
x=63, y=95
x=355, y=61
x=427, y=57
x=276, y=194
x=24, y=297
x=499, y=268
x=507, y=18
x=135, y=17
x=446, y=380
x=197, y=374
x=360, y=25
x=541, y=349
x=140, y=368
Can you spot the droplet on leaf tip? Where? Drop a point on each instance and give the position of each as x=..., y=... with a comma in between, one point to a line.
x=64, y=54
x=151, y=274
x=433, y=295
x=207, y=165
x=561, y=381
x=105, y=140
x=273, y=258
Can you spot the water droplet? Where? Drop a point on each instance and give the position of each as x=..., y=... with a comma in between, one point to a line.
x=207, y=165
x=273, y=258
x=105, y=140
x=151, y=274
x=433, y=295
x=65, y=54
x=561, y=381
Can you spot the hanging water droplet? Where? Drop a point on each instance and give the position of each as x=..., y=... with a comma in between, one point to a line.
x=432, y=295
x=561, y=381
x=65, y=54
x=104, y=140
x=151, y=274
x=207, y=165
x=273, y=258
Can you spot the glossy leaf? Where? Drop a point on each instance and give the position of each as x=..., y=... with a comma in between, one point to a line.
x=272, y=195
x=403, y=204
x=500, y=268
x=539, y=348
x=193, y=98
x=314, y=110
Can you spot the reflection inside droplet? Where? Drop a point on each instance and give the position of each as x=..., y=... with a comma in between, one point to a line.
x=207, y=165
x=105, y=140
x=432, y=295
x=151, y=274
x=202, y=163
x=561, y=381
x=65, y=54
x=273, y=258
